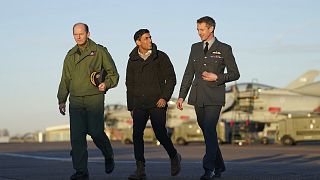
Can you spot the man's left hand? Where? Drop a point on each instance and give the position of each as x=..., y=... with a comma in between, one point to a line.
x=208, y=76
x=102, y=87
x=161, y=103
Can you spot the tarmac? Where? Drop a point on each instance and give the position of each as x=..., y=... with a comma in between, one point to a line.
x=42, y=161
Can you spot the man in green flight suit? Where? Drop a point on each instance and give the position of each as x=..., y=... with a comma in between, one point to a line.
x=83, y=81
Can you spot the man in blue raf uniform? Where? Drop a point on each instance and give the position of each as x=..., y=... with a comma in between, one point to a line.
x=150, y=82
x=205, y=73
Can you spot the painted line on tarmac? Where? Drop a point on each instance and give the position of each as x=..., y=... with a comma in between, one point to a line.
x=94, y=160
x=35, y=157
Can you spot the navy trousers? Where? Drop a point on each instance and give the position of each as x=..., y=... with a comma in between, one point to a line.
x=158, y=122
x=207, y=117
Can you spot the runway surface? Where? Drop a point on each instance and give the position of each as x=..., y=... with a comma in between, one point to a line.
x=42, y=161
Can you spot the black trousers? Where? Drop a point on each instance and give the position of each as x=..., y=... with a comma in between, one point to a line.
x=86, y=117
x=207, y=117
x=158, y=122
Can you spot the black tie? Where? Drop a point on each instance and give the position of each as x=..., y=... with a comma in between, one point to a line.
x=206, y=48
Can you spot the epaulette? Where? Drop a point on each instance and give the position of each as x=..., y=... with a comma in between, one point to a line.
x=72, y=50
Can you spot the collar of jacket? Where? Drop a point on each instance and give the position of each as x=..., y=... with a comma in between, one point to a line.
x=92, y=46
x=134, y=55
x=215, y=44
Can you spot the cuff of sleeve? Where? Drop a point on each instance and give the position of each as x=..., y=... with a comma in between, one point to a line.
x=165, y=98
x=61, y=101
x=107, y=83
x=220, y=79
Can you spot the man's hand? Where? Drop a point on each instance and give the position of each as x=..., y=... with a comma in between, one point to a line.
x=161, y=103
x=62, y=108
x=179, y=103
x=102, y=87
x=208, y=76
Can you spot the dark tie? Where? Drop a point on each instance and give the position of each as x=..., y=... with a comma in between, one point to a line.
x=205, y=50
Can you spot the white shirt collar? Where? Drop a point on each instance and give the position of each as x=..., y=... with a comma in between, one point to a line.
x=146, y=55
x=211, y=41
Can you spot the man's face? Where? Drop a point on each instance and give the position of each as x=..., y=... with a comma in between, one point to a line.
x=80, y=35
x=205, y=32
x=145, y=42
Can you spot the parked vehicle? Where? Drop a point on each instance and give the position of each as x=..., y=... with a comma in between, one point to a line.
x=268, y=135
x=187, y=132
x=148, y=135
x=299, y=129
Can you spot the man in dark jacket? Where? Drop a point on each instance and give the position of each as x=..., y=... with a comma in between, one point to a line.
x=205, y=71
x=150, y=82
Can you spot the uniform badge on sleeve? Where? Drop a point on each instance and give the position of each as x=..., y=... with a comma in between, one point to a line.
x=93, y=53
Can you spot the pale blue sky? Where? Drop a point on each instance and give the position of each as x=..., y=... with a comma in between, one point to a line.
x=273, y=42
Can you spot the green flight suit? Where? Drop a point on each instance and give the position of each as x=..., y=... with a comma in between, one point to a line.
x=86, y=106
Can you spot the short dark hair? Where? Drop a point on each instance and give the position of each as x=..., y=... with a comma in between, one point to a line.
x=208, y=20
x=139, y=33
x=86, y=27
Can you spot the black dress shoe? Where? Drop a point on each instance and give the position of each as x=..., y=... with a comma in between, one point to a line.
x=208, y=175
x=109, y=165
x=80, y=176
x=218, y=172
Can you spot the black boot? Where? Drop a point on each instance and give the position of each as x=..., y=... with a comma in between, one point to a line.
x=218, y=172
x=109, y=165
x=80, y=176
x=208, y=175
x=140, y=173
x=175, y=165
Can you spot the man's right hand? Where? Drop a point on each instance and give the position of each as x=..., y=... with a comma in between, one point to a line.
x=62, y=108
x=179, y=103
